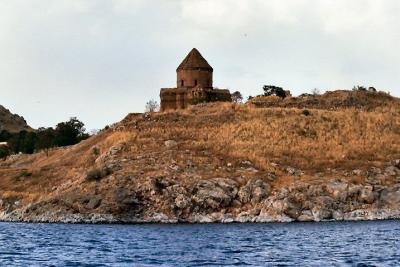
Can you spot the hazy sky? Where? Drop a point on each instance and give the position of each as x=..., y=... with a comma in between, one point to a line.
x=101, y=59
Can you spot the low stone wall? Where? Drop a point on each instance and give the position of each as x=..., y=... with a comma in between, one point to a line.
x=181, y=98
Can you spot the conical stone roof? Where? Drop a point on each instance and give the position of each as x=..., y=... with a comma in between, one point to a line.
x=194, y=61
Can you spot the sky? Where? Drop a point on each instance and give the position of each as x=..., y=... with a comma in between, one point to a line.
x=99, y=60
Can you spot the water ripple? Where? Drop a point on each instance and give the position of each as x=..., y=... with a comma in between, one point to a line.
x=299, y=244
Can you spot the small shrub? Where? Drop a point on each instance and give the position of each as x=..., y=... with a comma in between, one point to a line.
x=271, y=90
x=359, y=88
x=315, y=92
x=4, y=152
x=96, y=174
x=237, y=97
x=306, y=112
x=96, y=151
x=152, y=106
x=23, y=174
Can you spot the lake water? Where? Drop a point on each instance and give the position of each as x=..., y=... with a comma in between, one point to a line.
x=301, y=244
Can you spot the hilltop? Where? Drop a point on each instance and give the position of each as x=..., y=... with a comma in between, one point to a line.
x=12, y=123
x=304, y=159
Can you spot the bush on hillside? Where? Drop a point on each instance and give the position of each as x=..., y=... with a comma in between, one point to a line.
x=65, y=134
x=96, y=174
x=4, y=152
x=70, y=132
x=237, y=97
x=271, y=90
x=152, y=106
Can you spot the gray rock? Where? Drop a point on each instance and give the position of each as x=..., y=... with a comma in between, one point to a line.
x=254, y=191
x=337, y=215
x=321, y=214
x=181, y=201
x=215, y=193
x=391, y=198
x=200, y=218
x=354, y=190
x=244, y=217
x=306, y=216
x=392, y=171
x=93, y=203
x=396, y=163
x=367, y=195
x=338, y=190
x=170, y=143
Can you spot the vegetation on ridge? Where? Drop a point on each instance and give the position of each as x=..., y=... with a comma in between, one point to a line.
x=65, y=134
x=313, y=142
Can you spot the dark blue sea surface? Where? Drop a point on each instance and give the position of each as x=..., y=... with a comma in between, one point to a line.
x=296, y=244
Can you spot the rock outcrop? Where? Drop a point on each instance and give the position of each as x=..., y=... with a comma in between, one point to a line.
x=222, y=200
x=12, y=122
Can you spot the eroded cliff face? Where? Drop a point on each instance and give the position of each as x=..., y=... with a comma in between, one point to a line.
x=124, y=198
x=12, y=122
x=215, y=163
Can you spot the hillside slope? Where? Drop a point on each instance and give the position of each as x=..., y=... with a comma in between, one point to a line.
x=12, y=123
x=217, y=162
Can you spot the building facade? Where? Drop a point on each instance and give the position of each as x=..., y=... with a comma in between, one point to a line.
x=194, y=85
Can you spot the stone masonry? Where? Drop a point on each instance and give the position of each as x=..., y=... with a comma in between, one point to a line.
x=194, y=85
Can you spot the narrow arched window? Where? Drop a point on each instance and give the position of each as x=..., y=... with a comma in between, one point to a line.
x=182, y=83
x=195, y=82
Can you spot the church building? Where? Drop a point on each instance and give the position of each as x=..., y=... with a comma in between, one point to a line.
x=194, y=85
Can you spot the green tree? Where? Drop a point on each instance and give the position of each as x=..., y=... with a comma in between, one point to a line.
x=28, y=142
x=5, y=136
x=237, y=97
x=152, y=106
x=4, y=152
x=270, y=90
x=23, y=142
x=70, y=132
x=45, y=139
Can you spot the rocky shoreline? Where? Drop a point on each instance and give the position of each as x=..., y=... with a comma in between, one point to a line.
x=223, y=200
x=356, y=215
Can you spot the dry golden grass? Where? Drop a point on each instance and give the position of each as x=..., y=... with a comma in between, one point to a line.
x=341, y=138
x=213, y=135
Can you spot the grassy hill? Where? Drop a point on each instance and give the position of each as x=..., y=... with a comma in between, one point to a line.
x=297, y=140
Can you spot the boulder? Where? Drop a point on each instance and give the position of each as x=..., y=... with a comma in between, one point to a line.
x=254, y=191
x=337, y=215
x=182, y=202
x=354, y=190
x=306, y=216
x=390, y=198
x=357, y=172
x=201, y=218
x=94, y=203
x=367, y=195
x=244, y=217
x=396, y=163
x=392, y=171
x=215, y=193
x=170, y=143
x=338, y=190
x=321, y=214
x=323, y=202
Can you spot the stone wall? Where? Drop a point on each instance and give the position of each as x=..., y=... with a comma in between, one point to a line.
x=192, y=78
x=180, y=98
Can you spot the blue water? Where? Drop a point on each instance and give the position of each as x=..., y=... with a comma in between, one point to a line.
x=300, y=244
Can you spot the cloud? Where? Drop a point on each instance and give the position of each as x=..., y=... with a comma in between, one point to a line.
x=100, y=59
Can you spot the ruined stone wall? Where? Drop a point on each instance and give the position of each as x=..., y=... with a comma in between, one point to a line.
x=181, y=98
x=204, y=78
